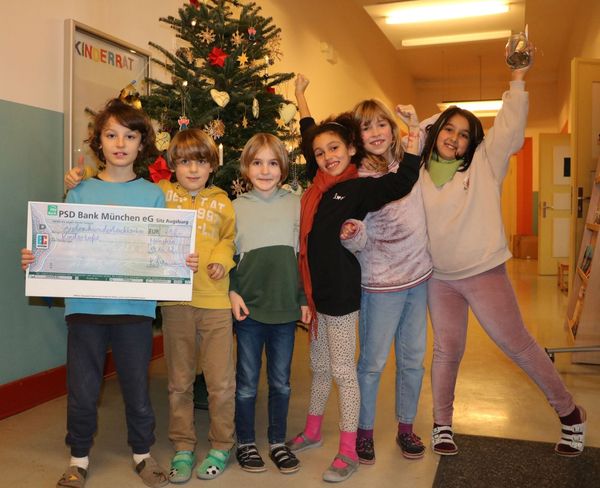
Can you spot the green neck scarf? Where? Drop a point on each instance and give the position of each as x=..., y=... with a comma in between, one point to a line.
x=441, y=170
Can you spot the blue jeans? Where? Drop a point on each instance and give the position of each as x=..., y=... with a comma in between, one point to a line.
x=278, y=342
x=86, y=353
x=385, y=317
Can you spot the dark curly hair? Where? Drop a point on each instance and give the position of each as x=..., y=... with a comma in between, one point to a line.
x=131, y=118
x=345, y=127
x=475, y=135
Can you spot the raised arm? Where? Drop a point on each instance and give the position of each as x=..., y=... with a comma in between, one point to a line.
x=301, y=85
x=508, y=132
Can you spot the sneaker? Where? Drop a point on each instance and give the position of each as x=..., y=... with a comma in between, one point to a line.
x=336, y=475
x=250, y=459
x=284, y=459
x=411, y=445
x=302, y=443
x=365, y=450
x=442, y=441
x=572, y=438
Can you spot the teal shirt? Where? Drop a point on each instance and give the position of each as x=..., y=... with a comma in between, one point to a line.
x=135, y=193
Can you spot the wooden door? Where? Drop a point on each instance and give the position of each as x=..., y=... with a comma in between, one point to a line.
x=554, y=207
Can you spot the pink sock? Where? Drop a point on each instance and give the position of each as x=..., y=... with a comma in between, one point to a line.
x=347, y=448
x=313, y=427
x=404, y=428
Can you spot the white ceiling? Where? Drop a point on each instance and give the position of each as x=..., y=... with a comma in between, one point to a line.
x=550, y=27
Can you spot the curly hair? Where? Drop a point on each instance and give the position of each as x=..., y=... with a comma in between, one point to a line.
x=345, y=127
x=475, y=135
x=133, y=119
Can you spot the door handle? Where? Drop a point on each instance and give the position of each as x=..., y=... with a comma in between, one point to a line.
x=580, y=200
x=545, y=207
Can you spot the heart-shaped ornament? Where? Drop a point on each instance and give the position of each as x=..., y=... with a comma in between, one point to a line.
x=287, y=112
x=221, y=98
x=163, y=139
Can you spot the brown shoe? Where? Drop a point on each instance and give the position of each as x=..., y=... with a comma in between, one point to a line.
x=151, y=473
x=73, y=477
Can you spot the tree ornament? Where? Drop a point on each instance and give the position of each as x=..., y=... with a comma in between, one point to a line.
x=207, y=36
x=287, y=112
x=238, y=186
x=244, y=122
x=130, y=96
x=251, y=33
x=221, y=98
x=183, y=122
x=217, y=57
x=195, y=3
x=159, y=170
x=163, y=139
x=255, y=108
x=280, y=123
x=243, y=60
x=215, y=128
x=237, y=39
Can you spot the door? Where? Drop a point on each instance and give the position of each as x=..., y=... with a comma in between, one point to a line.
x=585, y=141
x=554, y=208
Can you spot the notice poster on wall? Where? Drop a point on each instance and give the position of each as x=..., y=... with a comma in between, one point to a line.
x=97, y=67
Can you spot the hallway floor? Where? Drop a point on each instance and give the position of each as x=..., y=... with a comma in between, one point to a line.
x=493, y=398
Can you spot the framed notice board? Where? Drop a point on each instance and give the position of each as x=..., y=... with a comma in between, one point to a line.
x=97, y=67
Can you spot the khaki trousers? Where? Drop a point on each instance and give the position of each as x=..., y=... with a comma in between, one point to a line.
x=199, y=337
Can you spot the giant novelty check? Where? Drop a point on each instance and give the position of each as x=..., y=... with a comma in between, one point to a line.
x=107, y=251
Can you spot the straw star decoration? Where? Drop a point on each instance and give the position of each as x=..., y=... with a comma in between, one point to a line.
x=207, y=36
x=237, y=39
x=243, y=60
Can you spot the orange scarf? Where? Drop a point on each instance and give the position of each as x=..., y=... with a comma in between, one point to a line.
x=309, y=205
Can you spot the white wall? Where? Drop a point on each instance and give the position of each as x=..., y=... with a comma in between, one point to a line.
x=31, y=47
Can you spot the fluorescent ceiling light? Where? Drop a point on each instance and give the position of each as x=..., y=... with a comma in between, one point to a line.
x=415, y=12
x=481, y=108
x=451, y=39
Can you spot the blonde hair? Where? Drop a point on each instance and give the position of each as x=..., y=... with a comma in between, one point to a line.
x=192, y=144
x=367, y=111
x=255, y=144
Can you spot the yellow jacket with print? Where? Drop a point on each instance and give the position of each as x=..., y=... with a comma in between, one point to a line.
x=215, y=231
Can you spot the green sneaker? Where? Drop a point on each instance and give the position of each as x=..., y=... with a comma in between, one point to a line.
x=213, y=465
x=181, y=466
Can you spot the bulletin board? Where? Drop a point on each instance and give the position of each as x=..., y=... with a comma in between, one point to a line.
x=97, y=67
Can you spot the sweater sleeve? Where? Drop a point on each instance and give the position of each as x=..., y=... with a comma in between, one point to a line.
x=358, y=241
x=377, y=192
x=507, y=134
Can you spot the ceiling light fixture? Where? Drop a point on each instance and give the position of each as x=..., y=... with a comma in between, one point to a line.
x=481, y=108
x=451, y=39
x=418, y=11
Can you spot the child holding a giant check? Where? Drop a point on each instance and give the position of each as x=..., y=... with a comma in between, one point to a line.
x=123, y=139
x=198, y=330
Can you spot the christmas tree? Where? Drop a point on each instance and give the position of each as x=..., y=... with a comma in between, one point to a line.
x=221, y=81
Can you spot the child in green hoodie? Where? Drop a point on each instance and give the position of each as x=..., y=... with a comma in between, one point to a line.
x=266, y=298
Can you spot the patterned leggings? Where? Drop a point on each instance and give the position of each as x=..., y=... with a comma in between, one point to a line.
x=332, y=357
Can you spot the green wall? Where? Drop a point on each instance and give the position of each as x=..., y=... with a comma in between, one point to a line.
x=32, y=336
